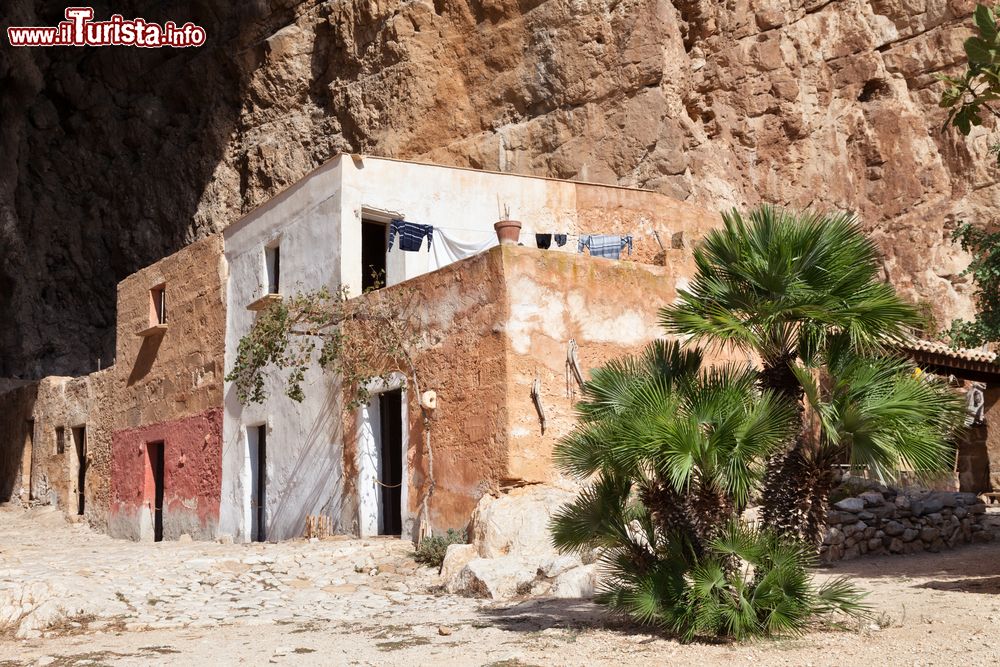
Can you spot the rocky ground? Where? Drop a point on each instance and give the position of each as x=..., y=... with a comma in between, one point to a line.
x=79, y=598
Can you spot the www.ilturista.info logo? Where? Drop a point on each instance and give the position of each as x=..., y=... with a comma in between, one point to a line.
x=79, y=30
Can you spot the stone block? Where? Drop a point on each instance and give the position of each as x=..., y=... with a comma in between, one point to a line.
x=578, y=582
x=894, y=528
x=455, y=559
x=872, y=498
x=496, y=578
x=850, y=505
x=557, y=565
x=933, y=504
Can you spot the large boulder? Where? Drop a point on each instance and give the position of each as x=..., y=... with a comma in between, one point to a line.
x=517, y=523
x=511, y=554
x=578, y=582
x=455, y=559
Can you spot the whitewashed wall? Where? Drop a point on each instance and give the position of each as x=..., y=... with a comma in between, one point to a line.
x=303, y=460
x=462, y=200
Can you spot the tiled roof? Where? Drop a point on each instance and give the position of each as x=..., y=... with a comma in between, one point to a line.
x=980, y=355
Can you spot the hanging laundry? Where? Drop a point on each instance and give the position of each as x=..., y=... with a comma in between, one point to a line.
x=543, y=240
x=561, y=239
x=411, y=235
x=608, y=246
x=451, y=247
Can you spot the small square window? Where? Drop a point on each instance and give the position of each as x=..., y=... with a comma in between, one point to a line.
x=272, y=263
x=158, y=305
x=60, y=440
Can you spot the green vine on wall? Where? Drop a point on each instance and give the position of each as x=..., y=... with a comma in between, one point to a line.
x=359, y=340
x=969, y=98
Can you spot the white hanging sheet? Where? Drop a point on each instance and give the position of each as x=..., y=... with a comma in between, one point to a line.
x=450, y=246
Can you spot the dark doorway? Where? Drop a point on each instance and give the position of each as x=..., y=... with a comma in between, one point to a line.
x=374, y=238
x=80, y=448
x=257, y=437
x=391, y=462
x=155, y=452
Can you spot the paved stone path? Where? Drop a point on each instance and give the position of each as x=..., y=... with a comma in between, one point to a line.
x=101, y=583
x=78, y=598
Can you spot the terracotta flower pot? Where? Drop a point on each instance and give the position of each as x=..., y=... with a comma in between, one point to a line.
x=508, y=231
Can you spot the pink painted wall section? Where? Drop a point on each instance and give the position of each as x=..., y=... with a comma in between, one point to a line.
x=192, y=456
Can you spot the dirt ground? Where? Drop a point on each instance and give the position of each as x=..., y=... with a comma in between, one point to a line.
x=301, y=603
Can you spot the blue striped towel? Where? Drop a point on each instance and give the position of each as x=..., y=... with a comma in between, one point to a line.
x=608, y=246
x=411, y=235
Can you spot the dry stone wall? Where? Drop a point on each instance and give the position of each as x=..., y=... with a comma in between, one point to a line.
x=890, y=522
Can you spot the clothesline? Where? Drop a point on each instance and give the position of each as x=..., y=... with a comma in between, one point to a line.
x=490, y=231
x=411, y=236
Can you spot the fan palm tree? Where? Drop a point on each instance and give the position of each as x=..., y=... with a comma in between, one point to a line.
x=779, y=284
x=874, y=413
x=673, y=453
x=787, y=287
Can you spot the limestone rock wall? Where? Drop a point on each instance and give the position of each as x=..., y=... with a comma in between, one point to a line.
x=111, y=158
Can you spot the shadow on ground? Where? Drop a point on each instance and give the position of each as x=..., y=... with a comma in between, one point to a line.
x=986, y=585
x=971, y=563
x=545, y=614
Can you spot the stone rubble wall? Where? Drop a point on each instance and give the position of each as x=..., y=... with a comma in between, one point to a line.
x=892, y=522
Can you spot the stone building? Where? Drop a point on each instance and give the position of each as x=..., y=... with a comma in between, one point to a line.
x=492, y=323
x=166, y=404
x=134, y=448
x=161, y=446
x=975, y=373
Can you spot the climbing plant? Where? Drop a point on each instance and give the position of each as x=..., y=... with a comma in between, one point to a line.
x=969, y=98
x=984, y=247
x=359, y=340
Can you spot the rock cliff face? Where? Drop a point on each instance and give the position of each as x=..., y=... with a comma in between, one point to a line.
x=111, y=158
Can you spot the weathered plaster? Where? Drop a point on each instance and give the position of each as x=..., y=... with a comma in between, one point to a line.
x=177, y=373
x=67, y=403
x=192, y=457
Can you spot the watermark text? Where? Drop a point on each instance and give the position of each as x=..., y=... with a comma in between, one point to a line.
x=79, y=29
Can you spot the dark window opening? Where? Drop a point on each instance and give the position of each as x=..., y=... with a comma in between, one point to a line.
x=159, y=299
x=60, y=440
x=391, y=462
x=80, y=447
x=374, y=239
x=272, y=258
x=154, y=450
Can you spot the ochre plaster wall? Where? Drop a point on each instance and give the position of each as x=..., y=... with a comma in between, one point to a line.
x=490, y=324
x=460, y=311
x=71, y=403
x=168, y=387
x=177, y=373
x=609, y=308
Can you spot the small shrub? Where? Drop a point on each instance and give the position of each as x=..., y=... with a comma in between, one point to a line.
x=431, y=550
